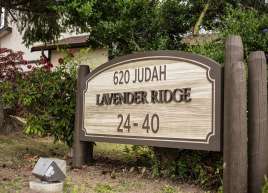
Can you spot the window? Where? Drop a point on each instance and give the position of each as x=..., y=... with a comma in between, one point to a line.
x=2, y=17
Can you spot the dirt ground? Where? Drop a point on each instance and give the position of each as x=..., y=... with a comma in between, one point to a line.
x=110, y=173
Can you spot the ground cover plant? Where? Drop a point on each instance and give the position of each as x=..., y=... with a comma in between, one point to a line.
x=112, y=171
x=49, y=98
x=198, y=167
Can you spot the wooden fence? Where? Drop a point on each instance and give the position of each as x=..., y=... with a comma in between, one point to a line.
x=245, y=148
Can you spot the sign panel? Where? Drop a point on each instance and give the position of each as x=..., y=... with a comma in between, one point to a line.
x=169, y=99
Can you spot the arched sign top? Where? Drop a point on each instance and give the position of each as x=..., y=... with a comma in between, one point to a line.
x=159, y=98
x=154, y=55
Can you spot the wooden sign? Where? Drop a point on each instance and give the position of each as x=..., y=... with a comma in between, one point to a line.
x=167, y=99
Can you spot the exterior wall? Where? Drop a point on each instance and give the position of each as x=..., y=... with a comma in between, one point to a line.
x=13, y=41
x=92, y=58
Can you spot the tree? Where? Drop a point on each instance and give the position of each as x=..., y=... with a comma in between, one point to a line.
x=44, y=20
x=250, y=24
x=122, y=26
x=210, y=11
x=36, y=19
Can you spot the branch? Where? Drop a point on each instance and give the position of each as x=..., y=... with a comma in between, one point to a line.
x=201, y=18
x=13, y=17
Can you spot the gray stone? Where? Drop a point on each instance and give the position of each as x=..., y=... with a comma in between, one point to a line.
x=50, y=169
x=46, y=187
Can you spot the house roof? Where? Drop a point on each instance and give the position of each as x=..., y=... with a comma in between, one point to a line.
x=70, y=42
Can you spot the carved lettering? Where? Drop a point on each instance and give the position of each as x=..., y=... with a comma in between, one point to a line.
x=141, y=97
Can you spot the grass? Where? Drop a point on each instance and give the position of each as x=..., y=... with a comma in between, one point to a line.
x=19, y=150
x=111, y=150
x=168, y=189
x=70, y=187
x=103, y=188
x=9, y=186
x=126, y=185
x=21, y=153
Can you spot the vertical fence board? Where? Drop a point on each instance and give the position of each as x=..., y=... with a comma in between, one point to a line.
x=235, y=121
x=258, y=131
x=82, y=150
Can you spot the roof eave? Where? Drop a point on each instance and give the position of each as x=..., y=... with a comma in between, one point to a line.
x=60, y=46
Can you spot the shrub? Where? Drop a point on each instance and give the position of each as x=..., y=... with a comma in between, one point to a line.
x=249, y=24
x=199, y=167
x=220, y=190
x=49, y=98
x=46, y=96
x=213, y=50
x=265, y=186
x=11, y=64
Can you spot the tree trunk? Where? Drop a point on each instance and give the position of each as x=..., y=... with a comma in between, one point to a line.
x=200, y=19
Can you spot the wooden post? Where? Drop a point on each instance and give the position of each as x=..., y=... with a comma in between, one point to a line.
x=258, y=131
x=82, y=150
x=235, y=118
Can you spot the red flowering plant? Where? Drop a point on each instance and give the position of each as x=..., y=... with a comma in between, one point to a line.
x=48, y=95
x=44, y=95
x=45, y=63
x=10, y=64
x=11, y=70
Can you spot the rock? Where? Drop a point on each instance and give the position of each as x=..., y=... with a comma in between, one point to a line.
x=131, y=170
x=124, y=170
x=44, y=187
x=143, y=170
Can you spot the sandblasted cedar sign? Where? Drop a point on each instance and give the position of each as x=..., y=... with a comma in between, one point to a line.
x=161, y=98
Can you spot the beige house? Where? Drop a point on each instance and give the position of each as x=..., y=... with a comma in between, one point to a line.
x=73, y=45
x=12, y=39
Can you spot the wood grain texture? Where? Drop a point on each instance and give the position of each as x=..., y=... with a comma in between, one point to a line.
x=258, y=131
x=235, y=118
x=178, y=121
